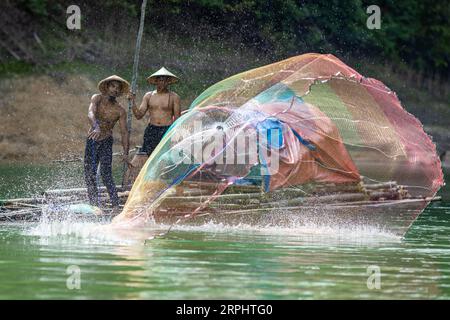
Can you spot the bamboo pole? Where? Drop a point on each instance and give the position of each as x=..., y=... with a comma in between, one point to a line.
x=390, y=195
x=213, y=185
x=15, y=215
x=4, y=202
x=219, y=197
x=134, y=77
x=383, y=185
x=317, y=200
x=75, y=191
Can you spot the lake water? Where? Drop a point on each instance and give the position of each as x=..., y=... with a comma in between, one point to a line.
x=68, y=260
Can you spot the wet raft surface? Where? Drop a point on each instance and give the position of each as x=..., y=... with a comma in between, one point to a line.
x=385, y=206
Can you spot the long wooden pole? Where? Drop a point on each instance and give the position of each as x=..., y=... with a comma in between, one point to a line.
x=134, y=78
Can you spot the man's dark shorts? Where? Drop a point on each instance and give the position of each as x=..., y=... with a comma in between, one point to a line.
x=152, y=136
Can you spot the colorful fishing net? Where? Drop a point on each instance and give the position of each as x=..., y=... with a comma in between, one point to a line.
x=306, y=120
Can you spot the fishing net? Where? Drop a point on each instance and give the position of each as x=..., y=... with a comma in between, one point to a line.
x=306, y=122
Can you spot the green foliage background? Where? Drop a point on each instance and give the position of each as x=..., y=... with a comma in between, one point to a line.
x=415, y=33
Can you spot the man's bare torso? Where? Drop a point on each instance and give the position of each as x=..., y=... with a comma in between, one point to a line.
x=160, y=107
x=108, y=113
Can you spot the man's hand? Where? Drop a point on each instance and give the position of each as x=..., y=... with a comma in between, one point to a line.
x=94, y=134
x=131, y=97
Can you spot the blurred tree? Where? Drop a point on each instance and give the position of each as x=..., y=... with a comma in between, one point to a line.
x=413, y=32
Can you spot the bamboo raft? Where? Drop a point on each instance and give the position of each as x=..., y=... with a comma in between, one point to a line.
x=385, y=205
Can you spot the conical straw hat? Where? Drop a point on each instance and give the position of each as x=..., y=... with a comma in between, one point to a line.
x=163, y=72
x=103, y=85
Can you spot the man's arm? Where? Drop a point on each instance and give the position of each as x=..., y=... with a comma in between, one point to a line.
x=95, y=132
x=124, y=133
x=176, y=108
x=140, y=112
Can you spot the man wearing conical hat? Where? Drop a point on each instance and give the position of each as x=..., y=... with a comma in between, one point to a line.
x=162, y=105
x=104, y=112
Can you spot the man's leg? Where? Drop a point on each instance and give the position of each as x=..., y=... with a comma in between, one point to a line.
x=105, y=155
x=90, y=171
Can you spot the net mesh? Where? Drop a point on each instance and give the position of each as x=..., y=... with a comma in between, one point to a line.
x=308, y=119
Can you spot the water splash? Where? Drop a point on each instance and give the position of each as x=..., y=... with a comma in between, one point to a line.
x=103, y=232
x=305, y=232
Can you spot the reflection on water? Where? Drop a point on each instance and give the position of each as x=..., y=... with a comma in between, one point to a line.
x=215, y=261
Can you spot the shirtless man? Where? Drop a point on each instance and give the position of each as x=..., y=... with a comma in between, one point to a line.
x=163, y=106
x=104, y=112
